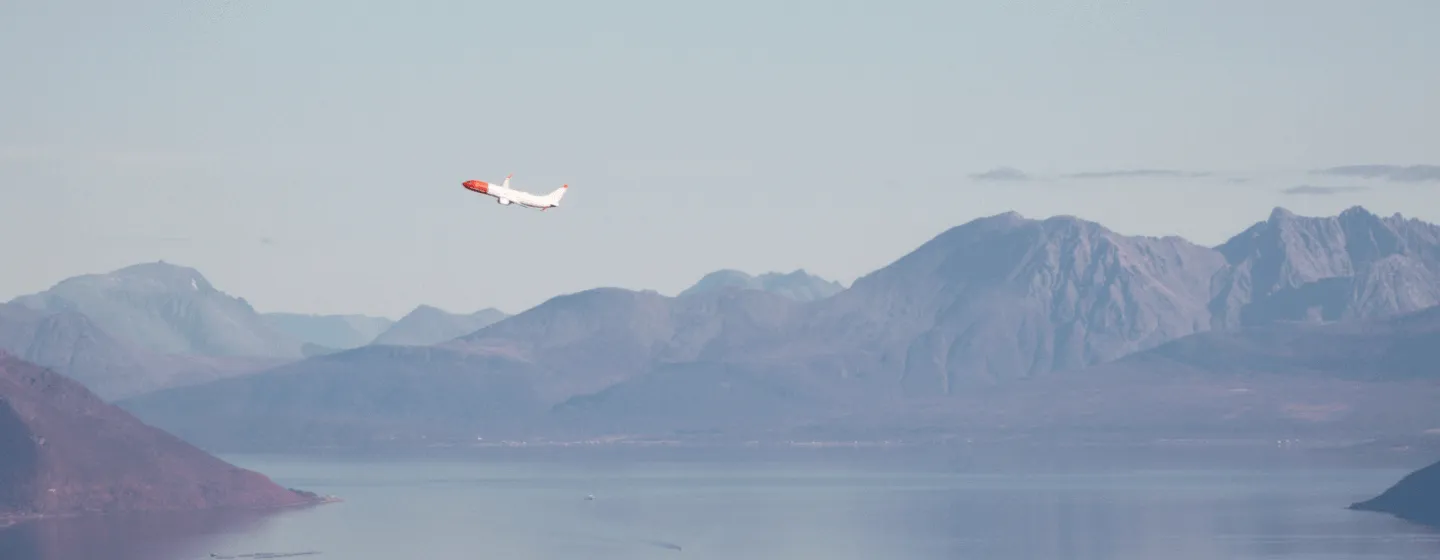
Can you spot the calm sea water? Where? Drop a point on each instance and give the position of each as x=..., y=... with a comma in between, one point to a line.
x=537, y=509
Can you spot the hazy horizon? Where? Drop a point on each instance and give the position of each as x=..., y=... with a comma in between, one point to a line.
x=308, y=157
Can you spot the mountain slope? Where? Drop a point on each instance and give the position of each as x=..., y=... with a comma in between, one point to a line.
x=1415, y=498
x=168, y=309
x=1006, y=297
x=1358, y=379
x=590, y=340
x=798, y=285
x=373, y=394
x=341, y=332
x=63, y=452
x=1354, y=265
x=427, y=325
x=1400, y=347
x=71, y=344
x=1339, y=381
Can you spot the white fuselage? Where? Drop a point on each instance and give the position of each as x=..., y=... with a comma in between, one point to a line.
x=503, y=194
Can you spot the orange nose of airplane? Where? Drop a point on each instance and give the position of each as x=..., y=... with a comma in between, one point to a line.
x=478, y=186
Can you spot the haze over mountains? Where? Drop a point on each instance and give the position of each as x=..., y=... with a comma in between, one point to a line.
x=997, y=304
x=162, y=325
x=427, y=325
x=1387, y=348
x=340, y=332
x=167, y=309
x=157, y=325
x=142, y=328
x=112, y=366
x=797, y=285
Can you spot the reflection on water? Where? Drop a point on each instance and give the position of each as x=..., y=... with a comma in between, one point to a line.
x=160, y=536
x=702, y=510
x=264, y=555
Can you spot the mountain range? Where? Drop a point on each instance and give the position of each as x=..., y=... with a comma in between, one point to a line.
x=158, y=325
x=967, y=332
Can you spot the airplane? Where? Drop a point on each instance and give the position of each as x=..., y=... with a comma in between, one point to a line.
x=505, y=195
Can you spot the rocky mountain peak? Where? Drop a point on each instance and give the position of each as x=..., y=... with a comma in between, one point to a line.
x=1322, y=268
x=1280, y=215
x=168, y=309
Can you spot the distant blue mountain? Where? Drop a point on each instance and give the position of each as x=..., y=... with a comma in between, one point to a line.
x=168, y=309
x=340, y=332
x=798, y=285
x=427, y=325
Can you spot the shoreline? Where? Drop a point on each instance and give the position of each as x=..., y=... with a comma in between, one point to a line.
x=11, y=520
x=1364, y=447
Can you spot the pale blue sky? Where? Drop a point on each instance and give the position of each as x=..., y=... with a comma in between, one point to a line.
x=308, y=155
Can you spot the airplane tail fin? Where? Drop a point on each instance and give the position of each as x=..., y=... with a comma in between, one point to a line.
x=557, y=194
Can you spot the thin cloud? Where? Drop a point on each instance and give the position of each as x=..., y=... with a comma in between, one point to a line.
x=1400, y=173
x=1321, y=190
x=1001, y=174
x=1126, y=173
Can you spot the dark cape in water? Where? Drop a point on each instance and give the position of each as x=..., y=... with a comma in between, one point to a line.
x=65, y=452
x=1415, y=498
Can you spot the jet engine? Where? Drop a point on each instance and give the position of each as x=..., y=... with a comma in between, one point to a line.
x=502, y=201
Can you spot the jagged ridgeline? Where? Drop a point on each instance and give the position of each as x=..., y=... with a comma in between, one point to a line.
x=987, y=304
